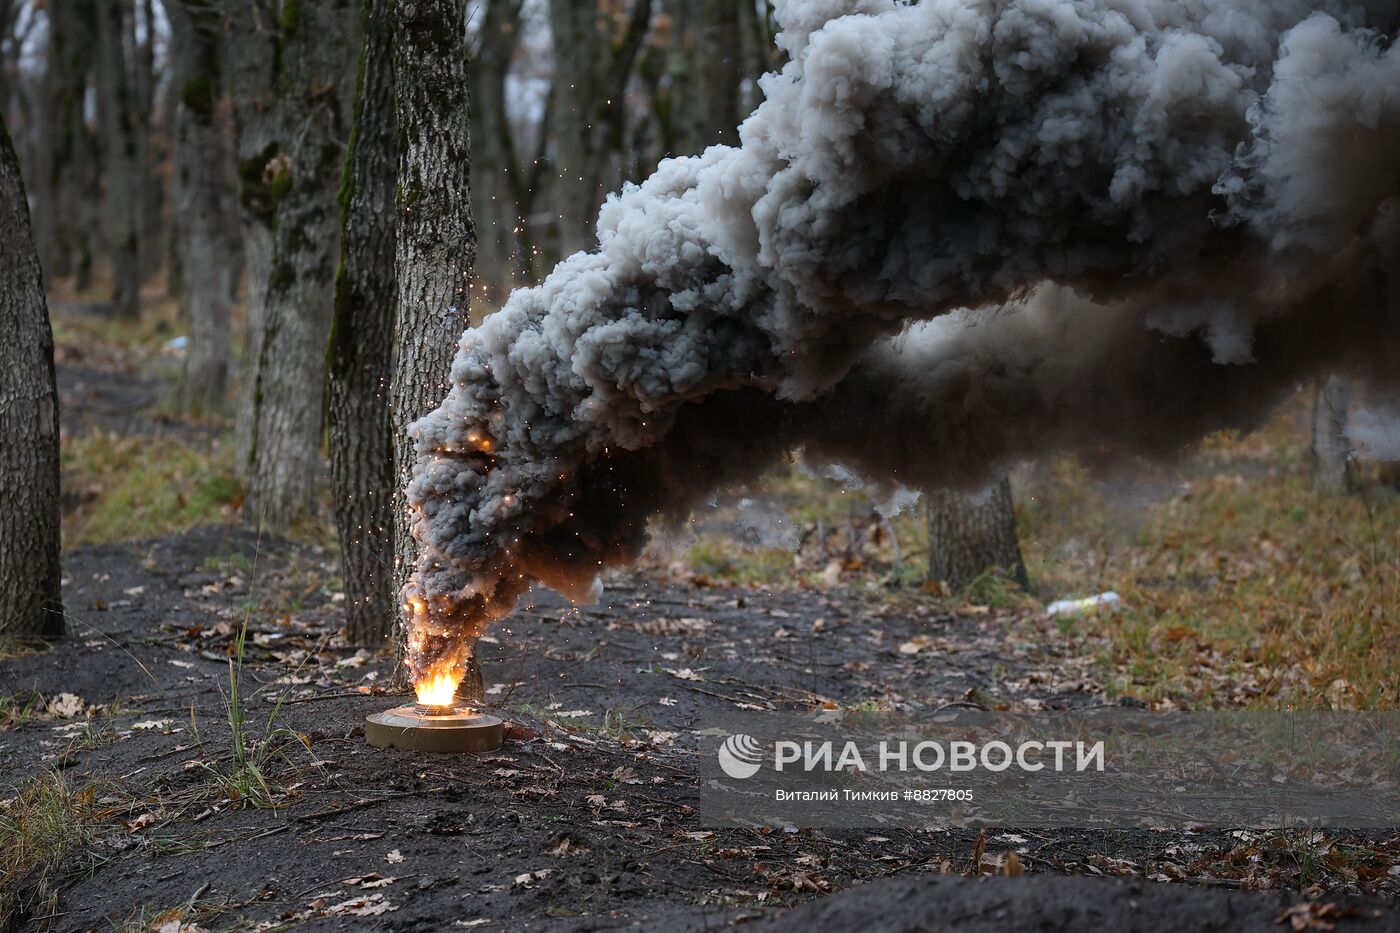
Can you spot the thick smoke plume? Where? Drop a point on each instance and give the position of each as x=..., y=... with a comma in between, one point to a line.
x=957, y=233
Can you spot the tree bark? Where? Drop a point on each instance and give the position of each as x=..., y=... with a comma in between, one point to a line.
x=497, y=204
x=362, y=342
x=436, y=246
x=30, y=601
x=969, y=535
x=118, y=118
x=153, y=146
x=1329, y=442
x=61, y=224
x=202, y=159
x=718, y=55
x=249, y=54
x=573, y=26
x=304, y=177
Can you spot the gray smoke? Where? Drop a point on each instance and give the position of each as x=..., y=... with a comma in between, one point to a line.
x=1122, y=224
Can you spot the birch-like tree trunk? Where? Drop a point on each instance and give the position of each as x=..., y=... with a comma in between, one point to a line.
x=202, y=159
x=362, y=342
x=249, y=55
x=436, y=245
x=969, y=535
x=1329, y=442
x=117, y=118
x=30, y=601
x=304, y=177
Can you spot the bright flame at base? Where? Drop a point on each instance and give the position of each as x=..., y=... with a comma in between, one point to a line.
x=438, y=689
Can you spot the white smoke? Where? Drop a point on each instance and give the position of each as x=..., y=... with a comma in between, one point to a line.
x=1166, y=210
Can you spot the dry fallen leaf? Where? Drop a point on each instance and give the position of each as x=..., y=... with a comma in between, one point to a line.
x=683, y=673
x=140, y=822
x=368, y=906
x=67, y=706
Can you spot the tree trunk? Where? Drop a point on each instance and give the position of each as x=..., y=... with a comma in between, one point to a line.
x=64, y=145
x=573, y=26
x=436, y=241
x=202, y=158
x=289, y=396
x=362, y=343
x=718, y=55
x=151, y=148
x=969, y=535
x=117, y=115
x=1329, y=441
x=248, y=64
x=30, y=601
x=497, y=206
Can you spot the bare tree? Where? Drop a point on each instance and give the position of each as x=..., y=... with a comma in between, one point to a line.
x=705, y=68
x=64, y=173
x=152, y=146
x=969, y=535
x=303, y=177
x=1329, y=442
x=30, y=601
x=362, y=341
x=593, y=63
x=248, y=62
x=499, y=179
x=202, y=160
x=117, y=109
x=436, y=242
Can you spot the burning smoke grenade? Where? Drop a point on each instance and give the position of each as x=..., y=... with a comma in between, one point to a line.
x=956, y=233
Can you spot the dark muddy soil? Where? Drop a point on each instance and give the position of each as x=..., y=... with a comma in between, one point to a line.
x=992, y=905
x=584, y=820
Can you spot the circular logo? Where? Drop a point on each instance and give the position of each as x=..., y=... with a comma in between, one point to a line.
x=740, y=756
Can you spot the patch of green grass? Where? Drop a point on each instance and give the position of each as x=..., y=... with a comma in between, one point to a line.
x=248, y=778
x=140, y=487
x=725, y=560
x=16, y=711
x=41, y=830
x=141, y=338
x=996, y=589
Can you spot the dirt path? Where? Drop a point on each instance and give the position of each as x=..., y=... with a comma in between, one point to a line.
x=582, y=821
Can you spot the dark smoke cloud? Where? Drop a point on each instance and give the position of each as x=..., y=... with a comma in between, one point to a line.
x=957, y=233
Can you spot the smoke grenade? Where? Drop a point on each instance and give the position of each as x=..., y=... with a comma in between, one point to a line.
x=956, y=234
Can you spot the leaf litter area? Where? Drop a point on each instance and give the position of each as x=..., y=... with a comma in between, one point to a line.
x=193, y=758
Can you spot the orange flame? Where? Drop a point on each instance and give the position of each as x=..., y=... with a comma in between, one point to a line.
x=437, y=689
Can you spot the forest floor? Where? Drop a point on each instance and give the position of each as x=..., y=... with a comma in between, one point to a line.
x=192, y=756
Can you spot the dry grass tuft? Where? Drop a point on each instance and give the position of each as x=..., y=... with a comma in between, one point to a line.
x=40, y=831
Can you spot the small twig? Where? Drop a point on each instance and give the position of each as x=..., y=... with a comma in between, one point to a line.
x=362, y=804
